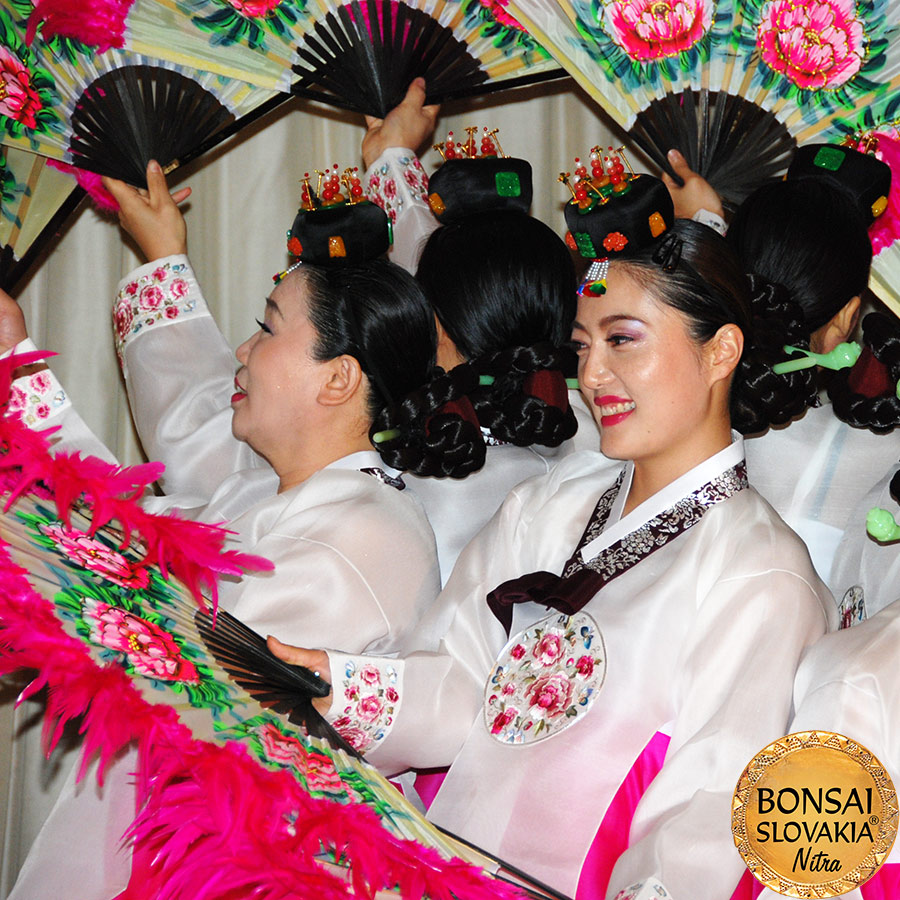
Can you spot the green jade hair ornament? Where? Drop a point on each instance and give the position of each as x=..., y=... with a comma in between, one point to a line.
x=842, y=357
x=880, y=524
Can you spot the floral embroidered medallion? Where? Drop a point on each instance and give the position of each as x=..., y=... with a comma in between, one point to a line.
x=160, y=296
x=371, y=702
x=852, y=608
x=545, y=679
x=37, y=397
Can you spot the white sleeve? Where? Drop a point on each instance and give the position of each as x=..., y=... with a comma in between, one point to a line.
x=733, y=694
x=430, y=700
x=42, y=402
x=179, y=372
x=398, y=184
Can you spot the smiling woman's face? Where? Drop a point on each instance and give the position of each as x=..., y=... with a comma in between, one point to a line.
x=279, y=380
x=645, y=378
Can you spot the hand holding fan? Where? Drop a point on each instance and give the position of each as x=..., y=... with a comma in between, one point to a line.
x=235, y=798
x=364, y=54
x=733, y=86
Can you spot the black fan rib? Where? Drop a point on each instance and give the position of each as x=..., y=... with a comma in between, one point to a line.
x=273, y=683
x=367, y=68
x=734, y=144
x=133, y=114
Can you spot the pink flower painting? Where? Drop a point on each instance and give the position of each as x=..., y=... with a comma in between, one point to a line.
x=96, y=556
x=254, y=9
x=652, y=29
x=317, y=768
x=820, y=44
x=151, y=650
x=18, y=99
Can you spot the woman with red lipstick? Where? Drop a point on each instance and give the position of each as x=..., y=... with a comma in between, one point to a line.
x=598, y=712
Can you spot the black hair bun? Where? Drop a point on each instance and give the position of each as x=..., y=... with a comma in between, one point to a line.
x=527, y=402
x=437, y=430
x=461, y=187
x=866, y=395
x=761, y=398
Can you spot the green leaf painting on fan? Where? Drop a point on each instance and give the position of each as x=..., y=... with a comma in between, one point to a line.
x=27, y=91
x=502, y=29
x=10, y=192
x=116, y=602
x=314, y=765
x=248, y=22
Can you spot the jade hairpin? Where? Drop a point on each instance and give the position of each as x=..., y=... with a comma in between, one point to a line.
x=485, y=380
x=842, y=357
x=881, y=525
x=381, y=437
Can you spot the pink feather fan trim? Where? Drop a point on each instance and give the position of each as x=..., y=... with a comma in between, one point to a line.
x=213, y=823
x=97, y=23
x=886, y=228
x=92, y=184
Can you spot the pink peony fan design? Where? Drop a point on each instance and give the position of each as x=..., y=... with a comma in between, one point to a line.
x=734, y=86
x=237, y=795
x=104, y=111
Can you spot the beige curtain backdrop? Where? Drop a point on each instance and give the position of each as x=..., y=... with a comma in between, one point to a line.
x=245, y=196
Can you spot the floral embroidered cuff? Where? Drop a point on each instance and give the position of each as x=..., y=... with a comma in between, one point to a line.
x=38, y=397
x=648, y=889
x=395, y=181
x=366, y=698
x=162, y=292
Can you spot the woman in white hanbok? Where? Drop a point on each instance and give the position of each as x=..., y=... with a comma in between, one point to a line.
x=597, y=746
x=502, y=289
x=810, y=236
x=354, y=556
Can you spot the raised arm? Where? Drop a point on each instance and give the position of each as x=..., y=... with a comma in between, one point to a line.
x=179, y=369
x=395, y=179
x=37, y=395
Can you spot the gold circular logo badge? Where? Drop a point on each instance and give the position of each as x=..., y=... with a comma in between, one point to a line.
x=814, y=815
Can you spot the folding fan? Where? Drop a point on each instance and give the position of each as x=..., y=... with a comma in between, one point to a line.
x=734, y=86
x=362, y=55
x=111, y=112
x=33, y=196
x=236, y=793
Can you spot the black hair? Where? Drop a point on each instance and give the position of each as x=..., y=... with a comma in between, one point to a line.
x=376, y=312
x=499, y=279
x=881, y=414
x=519, y=414
x=809, y=236
x=502, y=285
x=695, y=271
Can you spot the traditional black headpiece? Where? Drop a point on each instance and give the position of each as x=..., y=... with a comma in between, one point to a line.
x=613, y=213
x=863, y=176
x=467, y=183
x=336, y=225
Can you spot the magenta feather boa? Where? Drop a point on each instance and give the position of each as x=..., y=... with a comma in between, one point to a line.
x=214, y=824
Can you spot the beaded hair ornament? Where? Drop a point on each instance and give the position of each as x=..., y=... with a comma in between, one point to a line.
x=612, y=212
x=335, y=224
x=469, y=183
